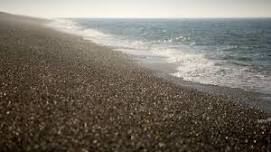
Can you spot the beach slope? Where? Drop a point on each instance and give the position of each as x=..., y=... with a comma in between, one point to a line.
x=59, y=92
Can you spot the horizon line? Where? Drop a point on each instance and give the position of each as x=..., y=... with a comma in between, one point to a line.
x=148, y=17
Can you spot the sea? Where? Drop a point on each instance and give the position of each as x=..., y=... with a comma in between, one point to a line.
x=234, y=53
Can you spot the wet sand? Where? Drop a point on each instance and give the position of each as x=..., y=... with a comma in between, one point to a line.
x=59, y=92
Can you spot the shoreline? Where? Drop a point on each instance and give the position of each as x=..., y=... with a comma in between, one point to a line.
x=175, y=61
x=60, y=92
x=241, y=96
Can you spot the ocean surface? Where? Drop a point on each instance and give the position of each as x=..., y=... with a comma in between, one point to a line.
x=234, y=53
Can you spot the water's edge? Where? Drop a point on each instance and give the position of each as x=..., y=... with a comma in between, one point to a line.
x=251, y=99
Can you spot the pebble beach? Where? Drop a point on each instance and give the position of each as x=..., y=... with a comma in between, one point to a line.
x=59, y=92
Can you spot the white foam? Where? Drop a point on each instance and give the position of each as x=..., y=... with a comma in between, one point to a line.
x=197, y=67
x=66, y=26
x=133, y=47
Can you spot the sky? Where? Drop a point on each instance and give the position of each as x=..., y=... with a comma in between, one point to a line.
x=138, y=8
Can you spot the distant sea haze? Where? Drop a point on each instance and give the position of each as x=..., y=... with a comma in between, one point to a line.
x=234, y=53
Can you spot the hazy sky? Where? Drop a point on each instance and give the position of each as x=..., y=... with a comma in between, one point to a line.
x=139, y=8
